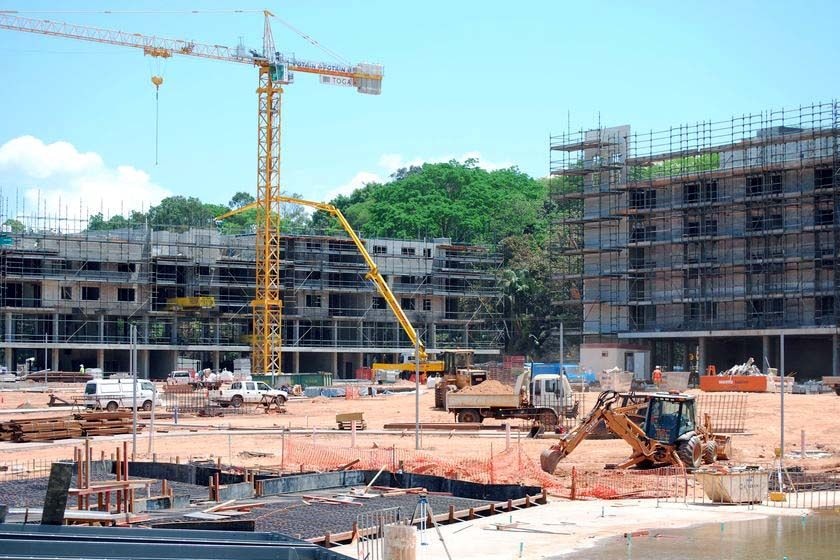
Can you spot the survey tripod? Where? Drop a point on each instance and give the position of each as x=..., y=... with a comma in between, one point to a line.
x=424, y=509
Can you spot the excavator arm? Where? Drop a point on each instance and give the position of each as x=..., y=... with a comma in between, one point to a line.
x=373, y=273
x=617, y=421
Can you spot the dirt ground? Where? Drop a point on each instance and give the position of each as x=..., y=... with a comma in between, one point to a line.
x=198, y=437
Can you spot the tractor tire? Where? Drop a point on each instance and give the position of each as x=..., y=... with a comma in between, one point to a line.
x=690, y=452
x=112, y=406
x=709, y=452
x=236, y=401
x=469, y=416
x=147, y=406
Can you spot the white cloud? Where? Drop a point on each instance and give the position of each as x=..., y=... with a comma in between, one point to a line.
x=68, y=182
x=389, y=163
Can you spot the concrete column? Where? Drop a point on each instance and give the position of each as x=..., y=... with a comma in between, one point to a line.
x=216, y=360
x=55, y=328
x=361, y=357
x=295, y=362
x=334, y=358
x=701, y=356
x=765, y=353
x=296, y=333
x=54, y=365
x=467, y=335
x=173, y=337
x=334, y=333
x=432, y=341
x=101, y=329
x=100, y=358
x=9, y=334
x=143, y=363
x=173, y=357
x=834, y=354
x=218, y=336
x=670, y=358
x=360, y=333
x=8, y=358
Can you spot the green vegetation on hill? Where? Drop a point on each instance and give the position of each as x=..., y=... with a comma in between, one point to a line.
x=457, y=200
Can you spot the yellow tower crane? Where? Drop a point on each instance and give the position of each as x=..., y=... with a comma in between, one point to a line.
x=275, y=70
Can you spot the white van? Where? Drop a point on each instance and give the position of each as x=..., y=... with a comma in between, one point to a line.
x=112, y=394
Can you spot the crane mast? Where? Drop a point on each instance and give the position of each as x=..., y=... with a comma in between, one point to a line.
x=373, y=273
x=275, y=70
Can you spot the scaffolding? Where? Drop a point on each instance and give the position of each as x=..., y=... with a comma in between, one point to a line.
x=70, y=289
x=712, y=226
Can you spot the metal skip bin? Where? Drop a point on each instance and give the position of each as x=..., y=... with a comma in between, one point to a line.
x=743, y=486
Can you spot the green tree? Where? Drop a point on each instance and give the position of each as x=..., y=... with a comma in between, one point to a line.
x=457, y=200
x=15, y=226
x=98, y=223
x=240, y=199
x=181, y=213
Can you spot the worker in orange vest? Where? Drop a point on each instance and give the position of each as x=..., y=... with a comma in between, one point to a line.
x=657, y=376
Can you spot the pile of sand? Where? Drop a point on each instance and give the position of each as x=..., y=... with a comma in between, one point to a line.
x=489, y=387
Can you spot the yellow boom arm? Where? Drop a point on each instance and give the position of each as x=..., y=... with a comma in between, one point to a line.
x=373, y=270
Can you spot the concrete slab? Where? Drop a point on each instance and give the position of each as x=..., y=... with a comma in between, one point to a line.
x=563, y=526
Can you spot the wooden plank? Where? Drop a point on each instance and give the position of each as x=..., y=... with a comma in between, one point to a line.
x=217, y=506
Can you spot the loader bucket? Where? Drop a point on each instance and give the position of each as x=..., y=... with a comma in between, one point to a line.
x=723, y=445
x=550, y=458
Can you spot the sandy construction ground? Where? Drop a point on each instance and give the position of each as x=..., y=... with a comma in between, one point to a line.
x=200, y=437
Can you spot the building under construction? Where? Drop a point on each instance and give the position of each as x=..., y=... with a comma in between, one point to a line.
x=69, y=299
x=706, y=242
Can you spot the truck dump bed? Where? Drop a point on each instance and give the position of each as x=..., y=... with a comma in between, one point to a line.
x=478, y=397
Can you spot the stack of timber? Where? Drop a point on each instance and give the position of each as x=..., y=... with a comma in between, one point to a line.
x=79, y=425
x=43, y=429
x=106, y=423
x=57, y=377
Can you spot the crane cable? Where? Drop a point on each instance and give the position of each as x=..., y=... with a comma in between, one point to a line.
x=157, y=81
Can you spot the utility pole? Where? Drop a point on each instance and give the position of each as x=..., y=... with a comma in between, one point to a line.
x=562, y=347
x=46, y=369
x=133, y=367
x=782, y=400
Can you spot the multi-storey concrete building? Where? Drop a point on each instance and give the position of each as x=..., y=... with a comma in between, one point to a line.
x=708, y=241
x=69, y=299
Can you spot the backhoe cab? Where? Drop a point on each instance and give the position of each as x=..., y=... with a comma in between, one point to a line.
x=660, y=427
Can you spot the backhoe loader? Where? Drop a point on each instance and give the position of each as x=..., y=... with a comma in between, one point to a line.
x=660, y=427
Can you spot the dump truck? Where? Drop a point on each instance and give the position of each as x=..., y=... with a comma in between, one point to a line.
x=545, y=398
x=661, y=428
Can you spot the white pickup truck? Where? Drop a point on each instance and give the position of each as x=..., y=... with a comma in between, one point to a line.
x=249, y=392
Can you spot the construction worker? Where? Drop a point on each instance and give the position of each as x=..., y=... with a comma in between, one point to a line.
x=82, y=368
x=657, y=375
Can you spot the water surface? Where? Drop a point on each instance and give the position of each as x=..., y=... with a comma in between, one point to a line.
x=813, y=537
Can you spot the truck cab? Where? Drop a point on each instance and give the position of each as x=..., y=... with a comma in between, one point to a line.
x=551, y=390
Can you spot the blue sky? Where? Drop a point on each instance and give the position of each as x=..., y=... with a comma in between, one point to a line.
x=486, y=78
